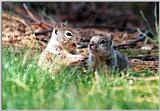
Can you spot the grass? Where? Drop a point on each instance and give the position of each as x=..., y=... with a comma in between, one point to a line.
x=26, y=86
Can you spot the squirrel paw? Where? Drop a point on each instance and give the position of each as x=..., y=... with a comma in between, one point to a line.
x=75, y=58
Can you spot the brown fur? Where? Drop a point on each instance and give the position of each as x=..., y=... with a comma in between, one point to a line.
x=62, y=45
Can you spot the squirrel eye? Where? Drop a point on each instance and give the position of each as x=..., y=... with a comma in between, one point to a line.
x=68, y=34
x=102, y=42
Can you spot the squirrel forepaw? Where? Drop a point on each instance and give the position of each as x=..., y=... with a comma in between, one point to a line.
x=75, y=58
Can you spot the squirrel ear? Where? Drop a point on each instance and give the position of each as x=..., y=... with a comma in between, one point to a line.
x=56, y=29
x=111, y=38
x=63, y=24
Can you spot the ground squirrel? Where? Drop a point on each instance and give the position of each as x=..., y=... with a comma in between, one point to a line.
x=62, y=44
x=102, y=54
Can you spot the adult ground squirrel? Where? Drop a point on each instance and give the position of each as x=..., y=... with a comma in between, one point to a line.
x=102, y=54
x=62, y=44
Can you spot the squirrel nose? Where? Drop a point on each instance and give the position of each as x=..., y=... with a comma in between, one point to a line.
x=78, y=40
x=92, y=46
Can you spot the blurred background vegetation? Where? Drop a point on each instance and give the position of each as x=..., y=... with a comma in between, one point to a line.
x=121, y=14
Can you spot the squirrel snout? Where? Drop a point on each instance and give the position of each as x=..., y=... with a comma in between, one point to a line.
x=78, y=40
x=93, y=46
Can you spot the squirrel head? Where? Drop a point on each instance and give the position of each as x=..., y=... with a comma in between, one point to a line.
x=66, y=35
x=101, y=44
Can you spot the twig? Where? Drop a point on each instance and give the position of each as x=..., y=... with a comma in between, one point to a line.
x=156, y=20
x=106, y=26
x=148, y=25
x=40, y=22
x=148, y=35
x=146, y=58
x=44, y=31
x=141, y=38
x=29, y=12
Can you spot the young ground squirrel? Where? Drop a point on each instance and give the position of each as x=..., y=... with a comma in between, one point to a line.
x=102, y=54
x=62, y=44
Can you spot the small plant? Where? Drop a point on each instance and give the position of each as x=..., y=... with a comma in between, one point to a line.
x=154, y=33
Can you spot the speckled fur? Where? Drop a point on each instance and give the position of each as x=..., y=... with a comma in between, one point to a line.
x=105, y=57
x=60, y=47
